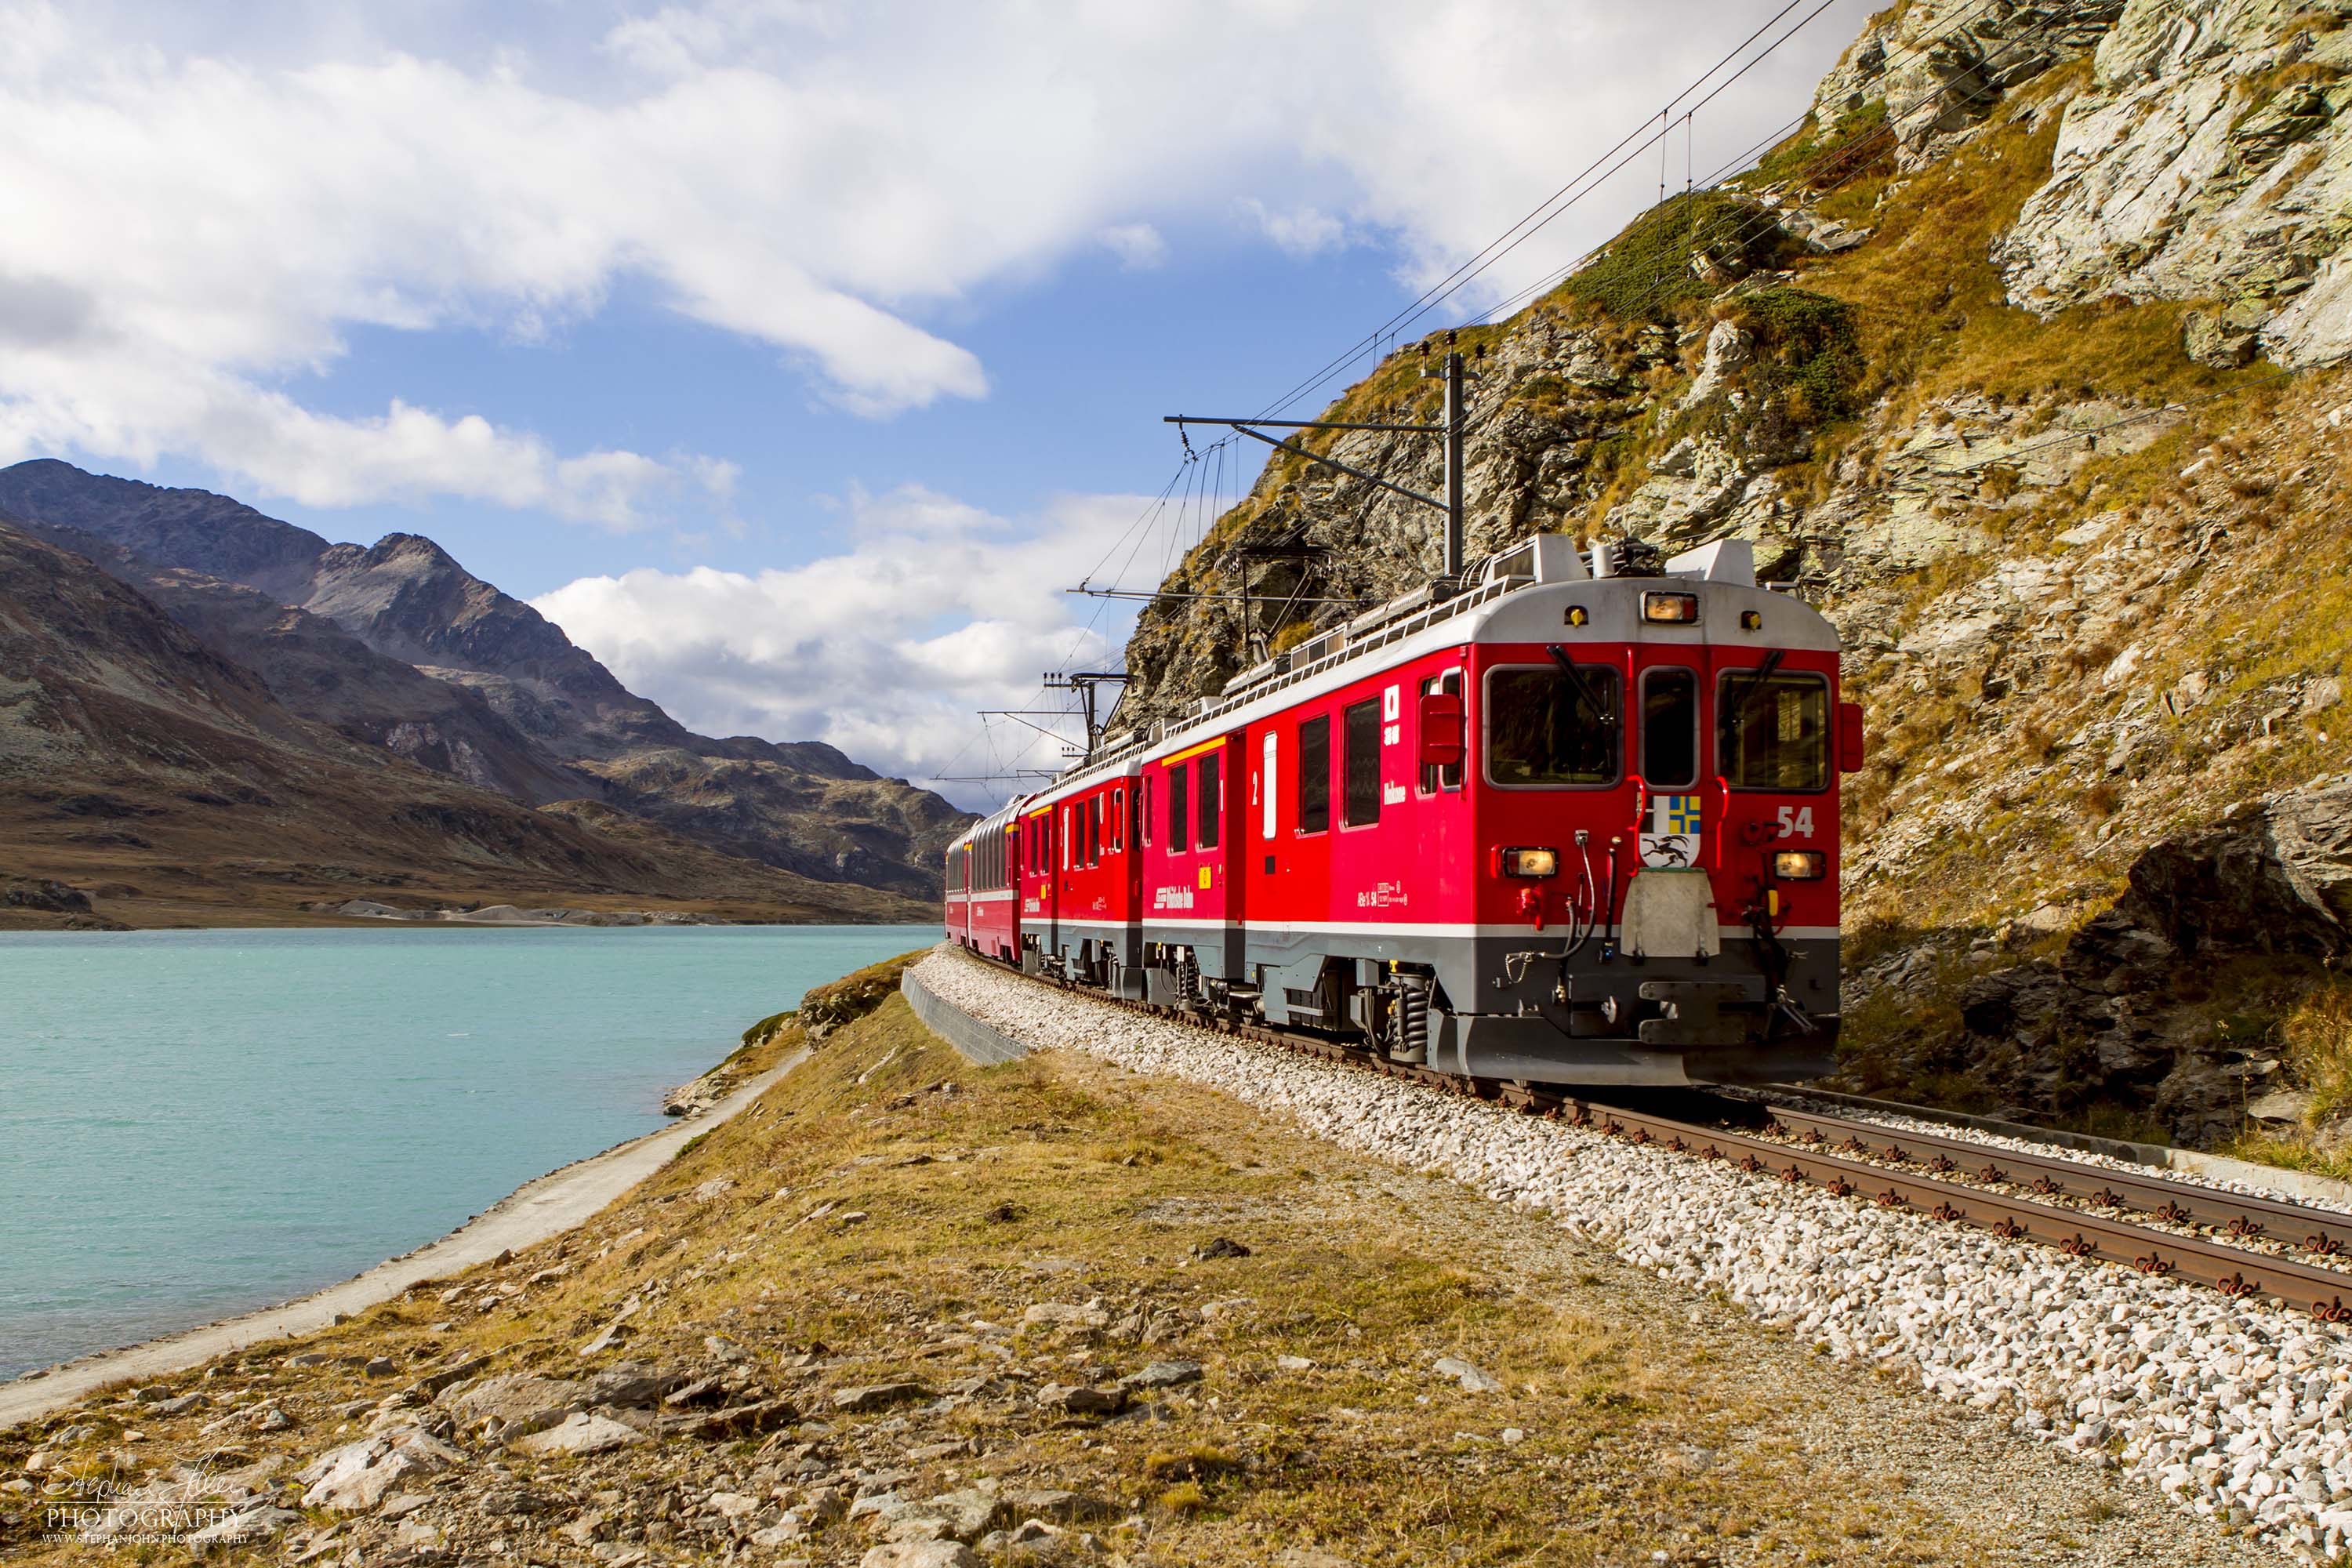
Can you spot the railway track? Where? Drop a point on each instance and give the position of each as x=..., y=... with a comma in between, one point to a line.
x=1903, y=1169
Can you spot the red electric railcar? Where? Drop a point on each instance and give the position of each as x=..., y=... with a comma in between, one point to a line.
x=1569, y=824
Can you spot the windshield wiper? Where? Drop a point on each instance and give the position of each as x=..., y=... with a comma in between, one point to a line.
x=1584, y=691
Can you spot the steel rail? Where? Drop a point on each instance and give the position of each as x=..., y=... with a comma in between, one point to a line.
x=2234, y=1270
x=2244, y=1216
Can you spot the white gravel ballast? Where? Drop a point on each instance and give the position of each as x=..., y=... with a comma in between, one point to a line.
x=2234, y=1408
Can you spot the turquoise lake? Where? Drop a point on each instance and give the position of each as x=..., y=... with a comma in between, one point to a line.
x=196, y=1123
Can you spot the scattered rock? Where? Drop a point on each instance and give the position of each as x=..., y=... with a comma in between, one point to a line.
x=1093, y=1315
x=360, y=1475
x=921, y=1554
x=631, y=1382
x=514, y=1405
x=1080, y=1400
x=1163, y=1374
x=242, y=1528
x=614, y=1333
x=743, y=1420
x=582, y=1434
x=1223, y=1247
x=1472, y=1379
x=963, y=1515
x=1311, y=1557
x=877, y=1396
x=1063, y=1507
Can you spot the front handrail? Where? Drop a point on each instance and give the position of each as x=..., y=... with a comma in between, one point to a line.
x=1723, y=824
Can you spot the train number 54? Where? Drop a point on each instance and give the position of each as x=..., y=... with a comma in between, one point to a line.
x=1796, y=822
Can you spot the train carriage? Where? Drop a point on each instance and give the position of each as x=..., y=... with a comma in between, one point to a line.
x=1568, y=823
x=982, y=873
x=1078, y=903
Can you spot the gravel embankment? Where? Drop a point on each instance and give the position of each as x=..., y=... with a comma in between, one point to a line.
x=2235, y=1409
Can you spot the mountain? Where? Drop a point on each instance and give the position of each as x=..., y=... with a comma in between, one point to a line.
x=399, y=646
x=2021, y=359
x=140, y=766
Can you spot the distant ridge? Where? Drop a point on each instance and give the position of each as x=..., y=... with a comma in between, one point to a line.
x=397, y=645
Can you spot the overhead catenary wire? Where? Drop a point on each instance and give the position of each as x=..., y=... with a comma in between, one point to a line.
x=1538, y=215
x=1747, y=159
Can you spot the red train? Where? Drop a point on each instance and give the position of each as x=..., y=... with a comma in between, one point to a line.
x=1575, y=823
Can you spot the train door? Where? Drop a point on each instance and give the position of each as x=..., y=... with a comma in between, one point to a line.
x=1771, y=775
x=1240, y=818
x=1286, y=884
x=1674, y=788
x=1040, y=885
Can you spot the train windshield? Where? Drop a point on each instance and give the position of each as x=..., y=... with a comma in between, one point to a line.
x=1773, y=733
x=1553, y=726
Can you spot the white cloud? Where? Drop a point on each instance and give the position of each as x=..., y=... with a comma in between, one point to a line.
x=198, y=218
x=937, y=608
x=1138, y=246
x=1299, y=233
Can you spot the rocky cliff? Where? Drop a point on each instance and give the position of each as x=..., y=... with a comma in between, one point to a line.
x=398, y=646
x=2019, y=358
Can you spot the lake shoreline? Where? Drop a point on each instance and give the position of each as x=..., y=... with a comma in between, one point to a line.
x=205, y=1125
x=546, y=1205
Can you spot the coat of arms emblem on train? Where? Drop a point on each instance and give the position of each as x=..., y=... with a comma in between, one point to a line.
x=1672, y=836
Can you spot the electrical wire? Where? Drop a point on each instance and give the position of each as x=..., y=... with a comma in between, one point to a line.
x=1633, y=145
x=1428, y=295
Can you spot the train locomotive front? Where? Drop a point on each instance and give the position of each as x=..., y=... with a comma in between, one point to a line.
x=1572, y=824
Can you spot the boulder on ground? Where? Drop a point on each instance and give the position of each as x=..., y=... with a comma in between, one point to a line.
x=360, y=1475
x=581, y=1434
x=517, y=1405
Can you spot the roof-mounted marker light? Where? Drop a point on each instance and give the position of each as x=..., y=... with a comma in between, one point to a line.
x=1752, y=620
x=1670, y=609
x=1576, y=615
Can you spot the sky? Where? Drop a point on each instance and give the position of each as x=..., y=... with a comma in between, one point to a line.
x=795, y=357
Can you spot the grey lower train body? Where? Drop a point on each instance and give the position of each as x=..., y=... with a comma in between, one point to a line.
x=1514, y=1004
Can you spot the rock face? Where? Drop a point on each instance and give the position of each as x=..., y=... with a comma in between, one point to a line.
x=2116, y=1013
x=2205, y=163
x=400, y=646
x=1942, y=68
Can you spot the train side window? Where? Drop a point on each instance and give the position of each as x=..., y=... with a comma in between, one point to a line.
x=1213, y=799
x=1315, y=774
x=1359, y=764
x=1269, y=750
x=1143, y=799
x=1433, y=778
x=1772, y=731
x=1180, y=817
x=1549, y=727
x=1670, y=728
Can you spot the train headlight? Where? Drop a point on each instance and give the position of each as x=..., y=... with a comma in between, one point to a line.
x=1528, y=862
x=1670, y=609
x=1798, y=864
